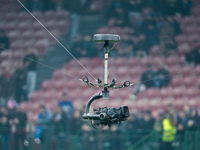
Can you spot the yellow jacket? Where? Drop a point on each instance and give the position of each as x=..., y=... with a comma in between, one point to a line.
x=169, y=131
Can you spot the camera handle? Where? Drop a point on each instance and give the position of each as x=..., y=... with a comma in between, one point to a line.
x=87, y=115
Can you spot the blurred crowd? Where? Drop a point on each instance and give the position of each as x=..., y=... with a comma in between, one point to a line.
x=141, y=24
x=147, y=25
x=65, y=121
x=20, y=83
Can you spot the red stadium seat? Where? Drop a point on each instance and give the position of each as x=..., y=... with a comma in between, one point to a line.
x=58, y=74
x=142, y=95
x=179, y=92
x=145, y=61
x=18, y=55
x=121, y=71
x=23, y=26
x=197, y=71
x=47, y=85
x=41, y=46
x=85, y=62
x=192, y=93
x=155, y=51
x=59, y=85
x=63, y=26
x=133, y=62
x=14, y=36
x=153, y=93
x=27, y=35
x=25, y=16
x=166, y=93
x=180, y=102
x=5, y=55
x=50, y=15
x=62, y=15
x=121, y=62
x=172, y=61
x=189, y=81
x=187, y=71
x=36, y=96
x=16, y=45
x=25, y=106
x=180, y=39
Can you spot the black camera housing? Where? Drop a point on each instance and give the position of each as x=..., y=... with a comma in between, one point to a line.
x=105, y=116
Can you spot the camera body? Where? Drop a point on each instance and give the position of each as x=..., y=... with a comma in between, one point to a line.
x=107, y=116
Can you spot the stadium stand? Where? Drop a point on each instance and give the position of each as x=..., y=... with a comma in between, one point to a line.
x=184, y=75
x=24, y=32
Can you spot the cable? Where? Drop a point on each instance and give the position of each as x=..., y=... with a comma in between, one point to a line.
x=177, y=73
x=112, y=47
x=56, y=40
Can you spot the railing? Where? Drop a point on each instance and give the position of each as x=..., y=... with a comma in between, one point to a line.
x=105, y=140
x=189, y=140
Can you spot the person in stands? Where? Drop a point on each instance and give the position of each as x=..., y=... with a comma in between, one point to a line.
x=169, y=131
x=66, y=105
x=7, y=84
x=19, y=121
x=30, y=62
x=5, y=128
x=20, y=86
x=4, y=41
x=60, y=123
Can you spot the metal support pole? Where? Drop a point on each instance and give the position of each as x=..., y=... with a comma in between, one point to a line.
x=106, y=48
x=106, y=92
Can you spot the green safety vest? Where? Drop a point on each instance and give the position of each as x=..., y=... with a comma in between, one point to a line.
x=169, y=131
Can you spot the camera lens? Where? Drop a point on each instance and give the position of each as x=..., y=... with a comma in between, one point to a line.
x=102, y=116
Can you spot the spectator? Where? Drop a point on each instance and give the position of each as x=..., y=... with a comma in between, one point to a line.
x=5, y=128
x=148, y=80
x=169, y=131
x=181, y=127
x=42, y=128
x=193, y=120
x=193, y=125
x=37, y=5
x=76, y=122
x=148, y=77
x=147, y=126
x=60, y=127
x=152, y=34
x=133, y=125
x=148, y=121
x=193, y=57
x=75, y=8
x=7, y=84
x=66, y=105
x=167, y=40
x=30, y=62
x=19, y=121
x=175, y=25
x=163, y=75
x=158, y=123
x=20, y=80
x=184, y=7
x=4, y=41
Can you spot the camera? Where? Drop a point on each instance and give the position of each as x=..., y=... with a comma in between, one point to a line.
x=105, y=116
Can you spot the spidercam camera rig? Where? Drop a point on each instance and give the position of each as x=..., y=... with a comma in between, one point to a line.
x=105, y=116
